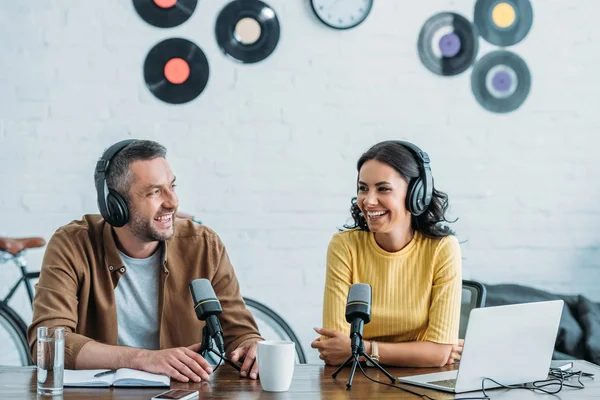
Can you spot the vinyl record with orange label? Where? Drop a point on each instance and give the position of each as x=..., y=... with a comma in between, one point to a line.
x=503, y=22
x=447, y=44
x=500, y=81
x=247, y=30
x=165, y=13
x=176, y=70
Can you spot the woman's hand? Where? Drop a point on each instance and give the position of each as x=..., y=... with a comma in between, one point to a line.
x=335, y=350
x=456, y=352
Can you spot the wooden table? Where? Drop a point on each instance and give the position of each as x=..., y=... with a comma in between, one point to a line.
x=310, y=382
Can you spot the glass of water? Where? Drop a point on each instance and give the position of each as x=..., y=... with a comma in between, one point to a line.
x=50, y=360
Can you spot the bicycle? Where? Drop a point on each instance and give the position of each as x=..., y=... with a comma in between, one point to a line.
x=13, y=330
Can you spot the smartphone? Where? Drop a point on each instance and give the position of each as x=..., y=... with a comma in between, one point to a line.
x=177, y=394
x=561, y=365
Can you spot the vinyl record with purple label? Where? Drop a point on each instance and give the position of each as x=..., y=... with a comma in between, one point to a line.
x=447, y=44
x=500, y=81
x=165, y=13
x=503, y=22
x=176, y=70
x=247, y=30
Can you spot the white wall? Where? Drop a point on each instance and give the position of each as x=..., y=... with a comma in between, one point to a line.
x=266, y=155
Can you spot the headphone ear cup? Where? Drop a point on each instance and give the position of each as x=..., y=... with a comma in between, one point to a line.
x=117, y=208
x=414, y=197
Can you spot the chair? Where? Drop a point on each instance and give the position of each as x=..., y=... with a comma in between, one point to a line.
x=473, y=296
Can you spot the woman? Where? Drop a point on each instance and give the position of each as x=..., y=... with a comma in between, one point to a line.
x=399, y=244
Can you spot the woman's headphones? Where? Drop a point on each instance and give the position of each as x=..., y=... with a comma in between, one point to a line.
x=420, y=189
x=112, y=205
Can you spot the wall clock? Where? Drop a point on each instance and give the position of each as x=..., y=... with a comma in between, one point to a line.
x=342, y=14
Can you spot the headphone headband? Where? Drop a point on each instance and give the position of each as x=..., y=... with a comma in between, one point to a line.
x=110, y=153
x=419, y=199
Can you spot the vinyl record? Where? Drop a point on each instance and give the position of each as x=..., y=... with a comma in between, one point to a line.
x=447, y=44
x=165, y=13
x=176, y=70
x=247, y=30
x=500, y=81
x=503, y=22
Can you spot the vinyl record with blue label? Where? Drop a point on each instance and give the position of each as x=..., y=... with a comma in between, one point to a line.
x=176, y=70
x=447, y=44
x=503, y=22
x=247, y=30
x=500, y=81
x=165, y=13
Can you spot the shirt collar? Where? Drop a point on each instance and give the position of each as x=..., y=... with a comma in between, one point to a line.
x=111, y=254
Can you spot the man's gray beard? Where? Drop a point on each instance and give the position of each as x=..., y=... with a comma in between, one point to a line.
x=143, y=230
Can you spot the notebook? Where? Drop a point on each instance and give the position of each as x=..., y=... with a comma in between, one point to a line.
x=122, y=378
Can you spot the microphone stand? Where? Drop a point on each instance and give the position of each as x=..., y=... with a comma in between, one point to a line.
x=358, y=349
x=207, y=346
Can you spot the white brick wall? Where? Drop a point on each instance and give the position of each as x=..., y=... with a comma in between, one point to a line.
x=266, y=155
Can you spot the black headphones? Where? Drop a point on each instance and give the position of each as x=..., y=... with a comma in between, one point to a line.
x=112, y=205
x=420, y=189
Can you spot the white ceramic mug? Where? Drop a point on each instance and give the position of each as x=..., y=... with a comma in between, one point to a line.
x=276, y=359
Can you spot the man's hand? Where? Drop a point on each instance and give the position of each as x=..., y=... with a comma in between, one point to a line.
x=335, y=350
x=180, y=363
x=456, y=352
x=247, y=352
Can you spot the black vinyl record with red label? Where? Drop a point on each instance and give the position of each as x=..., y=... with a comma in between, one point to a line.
x=165, y=13
x=176, y=70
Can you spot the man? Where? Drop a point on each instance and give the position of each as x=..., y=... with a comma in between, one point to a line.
x=119, y=282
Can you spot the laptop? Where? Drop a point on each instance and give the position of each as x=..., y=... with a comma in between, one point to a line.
x=511, y=344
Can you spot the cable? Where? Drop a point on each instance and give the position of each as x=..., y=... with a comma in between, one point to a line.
x=424, y=396
x=219, y=363
x=559, y=378
x=558, y=375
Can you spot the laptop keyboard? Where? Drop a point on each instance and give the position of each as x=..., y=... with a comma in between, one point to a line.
x=449, y=383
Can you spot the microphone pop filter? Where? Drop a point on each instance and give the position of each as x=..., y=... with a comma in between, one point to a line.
x=359, y=303
x=205, y=300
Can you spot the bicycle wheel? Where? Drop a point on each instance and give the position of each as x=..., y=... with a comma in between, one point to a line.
x=13, y=331
x=273, y=327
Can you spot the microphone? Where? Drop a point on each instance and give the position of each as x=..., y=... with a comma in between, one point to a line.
x=207, y=308
x=358, y=312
